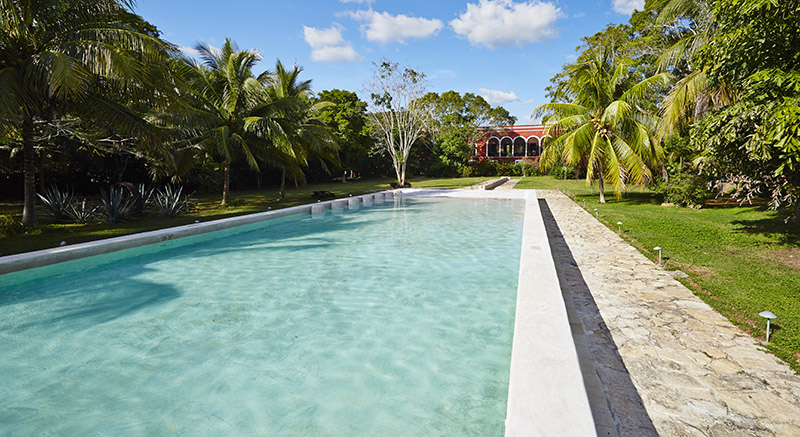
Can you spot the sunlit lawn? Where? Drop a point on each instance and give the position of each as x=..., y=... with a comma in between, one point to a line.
x=740, y=260
x=207, y=208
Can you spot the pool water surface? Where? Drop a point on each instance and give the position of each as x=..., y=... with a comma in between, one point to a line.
x=393, y=320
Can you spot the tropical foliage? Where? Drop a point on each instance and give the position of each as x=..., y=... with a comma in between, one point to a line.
x=602, y=127
x=732, y=112
x=59, y=58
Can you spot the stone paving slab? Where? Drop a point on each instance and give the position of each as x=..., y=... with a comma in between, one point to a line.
x=661, y=359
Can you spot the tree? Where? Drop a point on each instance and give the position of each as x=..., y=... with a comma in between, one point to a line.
x=456, y=123
x=398, y=115
x=304, y=134
x=58, y=57
x=347, y=120
x=225, y=96
x=754, y=138
x=602, y=127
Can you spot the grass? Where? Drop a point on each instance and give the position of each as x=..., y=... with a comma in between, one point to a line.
x=246, y=202
x=741, y=260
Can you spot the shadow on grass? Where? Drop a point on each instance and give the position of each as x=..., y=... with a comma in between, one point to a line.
x=622, y=400
x=788, y=234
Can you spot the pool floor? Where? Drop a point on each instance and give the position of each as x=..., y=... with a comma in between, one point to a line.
x=393, y=320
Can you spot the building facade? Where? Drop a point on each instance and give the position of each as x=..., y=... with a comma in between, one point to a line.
x=511, y=143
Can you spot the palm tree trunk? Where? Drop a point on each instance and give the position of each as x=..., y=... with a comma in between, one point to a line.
x=29, y=159
x=600, y=183
x=283, y=185
x=226, y=184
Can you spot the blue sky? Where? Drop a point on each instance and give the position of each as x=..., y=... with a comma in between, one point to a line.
x=504, y=50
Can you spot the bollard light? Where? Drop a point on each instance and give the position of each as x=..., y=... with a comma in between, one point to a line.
x=769, y=316
x=584, y=203
x=659, y=254
x=595, y=213
x=619, y=227
x=63, y=243
x=197, y=221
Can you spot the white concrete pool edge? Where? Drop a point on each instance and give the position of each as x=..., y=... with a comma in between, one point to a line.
x=44, y=257
x=546, y=394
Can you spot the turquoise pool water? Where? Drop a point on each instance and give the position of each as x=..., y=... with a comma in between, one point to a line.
x=393, y=320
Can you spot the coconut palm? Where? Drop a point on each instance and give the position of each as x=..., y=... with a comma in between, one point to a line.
x=230, y=113
x=59, y=56
x=692, y=95
x=602, y=127
x=306, y=136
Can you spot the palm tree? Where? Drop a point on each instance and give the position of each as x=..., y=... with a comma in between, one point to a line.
x=225, y=96
x=692, y=95
x=59, y=56
x=602, y=127
x=306, y=135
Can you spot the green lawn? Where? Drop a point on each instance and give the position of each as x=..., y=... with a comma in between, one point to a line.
x=740, y=260
x=247, y=202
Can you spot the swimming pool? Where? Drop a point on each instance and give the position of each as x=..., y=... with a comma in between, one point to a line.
x=397, y=319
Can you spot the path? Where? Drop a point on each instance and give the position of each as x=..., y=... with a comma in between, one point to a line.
x=657, y=359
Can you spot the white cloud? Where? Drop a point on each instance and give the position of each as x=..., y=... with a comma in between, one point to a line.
x=529, y=101
x=327, y=45
x=497, y=23
x=383, y=27
x=495, y=97
x=189, y=51
x=626, y=7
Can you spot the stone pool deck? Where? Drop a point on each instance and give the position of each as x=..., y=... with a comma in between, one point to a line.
x=656, y=359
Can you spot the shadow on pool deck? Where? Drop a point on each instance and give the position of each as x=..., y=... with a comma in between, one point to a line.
x=617, y=408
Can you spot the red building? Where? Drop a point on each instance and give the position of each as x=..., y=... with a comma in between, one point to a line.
x=511, y=143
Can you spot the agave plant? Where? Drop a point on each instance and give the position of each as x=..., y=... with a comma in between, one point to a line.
x=116, y=203
x=170, y=201
x=57, y=202
x=80, y=212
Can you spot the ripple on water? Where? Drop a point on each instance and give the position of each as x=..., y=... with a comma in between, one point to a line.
x=392, y=320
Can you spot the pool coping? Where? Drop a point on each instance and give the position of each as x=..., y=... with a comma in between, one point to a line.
x=44, y=257
x=546, y=394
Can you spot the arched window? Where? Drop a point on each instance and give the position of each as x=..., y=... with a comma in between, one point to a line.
x=493, y=147
x=505, y=146
x=519, y=146
x=533, y=146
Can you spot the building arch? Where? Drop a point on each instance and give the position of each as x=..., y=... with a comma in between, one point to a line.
x=505, y=146
x=493, y=146
x=534, y=146
x=518, y=148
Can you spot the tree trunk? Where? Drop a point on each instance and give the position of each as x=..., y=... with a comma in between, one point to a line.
x=29, y=159
x=283, y=185
x=226, y=184
x=402, y=175
x=600, y=183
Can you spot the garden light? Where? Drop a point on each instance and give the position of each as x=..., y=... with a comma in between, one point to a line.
x=769, y=316
x=595, y=213
x=584, y=203
x=619, y=227
x=659, y=254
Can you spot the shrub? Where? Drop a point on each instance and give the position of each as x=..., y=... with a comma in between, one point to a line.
x=170, y=201
x=529, y=167
x=561, y=171
x=684, y=189
x=10, y=226
x=81, y=212
x=57, y=202
x=117, y=205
